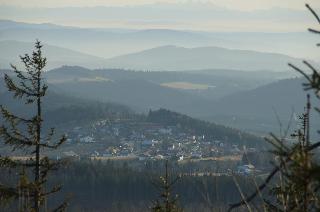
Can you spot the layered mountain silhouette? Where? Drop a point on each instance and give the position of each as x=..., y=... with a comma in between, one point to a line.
x=180, y=58
x=165, y=58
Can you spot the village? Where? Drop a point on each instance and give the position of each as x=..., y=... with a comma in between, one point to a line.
x=145, y=141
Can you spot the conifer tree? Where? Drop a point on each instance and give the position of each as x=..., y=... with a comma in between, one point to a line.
x=297, y=187
x=166, y=203
x=297, y=167
x=27, y=134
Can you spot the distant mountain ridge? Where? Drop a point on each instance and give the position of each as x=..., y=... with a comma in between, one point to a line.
x=9, y=24
x=176, y=58
x=110, y=42
x=57, y=56
x=164, y=58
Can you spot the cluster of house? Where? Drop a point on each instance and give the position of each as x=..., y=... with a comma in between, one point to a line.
x=123, y=138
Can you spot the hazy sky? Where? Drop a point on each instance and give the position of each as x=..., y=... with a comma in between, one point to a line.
x=207, y=15
x=233, y=4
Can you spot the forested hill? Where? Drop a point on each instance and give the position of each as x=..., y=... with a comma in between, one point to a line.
x=208, y=129
x=62, y=110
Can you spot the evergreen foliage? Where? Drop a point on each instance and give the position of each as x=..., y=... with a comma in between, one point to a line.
x=297, y=168
x=166, y=203
x=26, y=134
x=298, y=184
x=210, y=130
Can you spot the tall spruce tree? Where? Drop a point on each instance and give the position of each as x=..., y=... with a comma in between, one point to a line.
x=26, y=134
x=166, y=202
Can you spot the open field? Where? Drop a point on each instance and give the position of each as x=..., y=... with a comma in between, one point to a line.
x=187, y=85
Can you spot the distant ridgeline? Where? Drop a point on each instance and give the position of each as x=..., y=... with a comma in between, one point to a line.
x=199, y=127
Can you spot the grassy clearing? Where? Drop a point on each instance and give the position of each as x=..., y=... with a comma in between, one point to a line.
x=187, y=85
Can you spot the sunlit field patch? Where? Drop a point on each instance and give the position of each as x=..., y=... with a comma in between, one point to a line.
x=187, y=85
